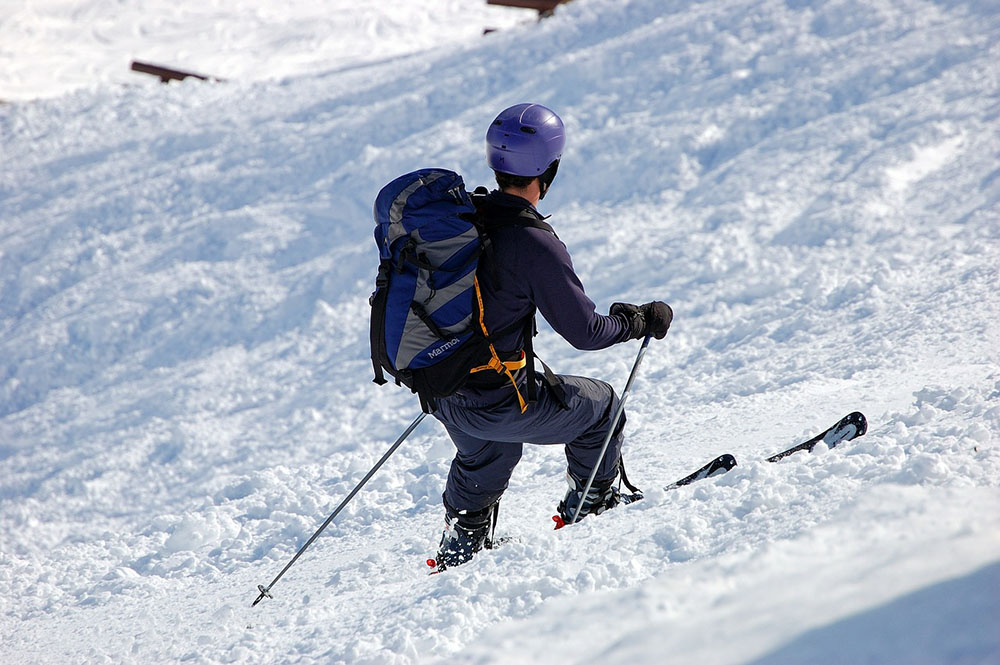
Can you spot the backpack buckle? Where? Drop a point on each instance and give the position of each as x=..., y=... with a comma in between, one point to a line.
x=382, y=279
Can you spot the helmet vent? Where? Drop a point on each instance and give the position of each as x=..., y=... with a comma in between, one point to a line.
x=528, y=130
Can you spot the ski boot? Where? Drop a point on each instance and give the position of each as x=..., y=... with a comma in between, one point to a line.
x=465, y=533
x=603, y=495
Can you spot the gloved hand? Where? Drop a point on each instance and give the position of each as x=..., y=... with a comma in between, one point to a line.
x=653, y=318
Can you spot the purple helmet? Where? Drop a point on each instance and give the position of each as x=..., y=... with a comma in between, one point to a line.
x=525, y=140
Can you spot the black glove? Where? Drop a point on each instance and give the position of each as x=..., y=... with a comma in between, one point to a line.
x=653, y=318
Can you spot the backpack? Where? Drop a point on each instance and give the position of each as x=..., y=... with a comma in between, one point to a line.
x=427, y=327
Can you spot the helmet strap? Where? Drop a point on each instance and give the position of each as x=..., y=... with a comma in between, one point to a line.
x=545, y=180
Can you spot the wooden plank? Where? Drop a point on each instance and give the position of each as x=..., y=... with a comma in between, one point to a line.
x=540, y=5
x=165, y=73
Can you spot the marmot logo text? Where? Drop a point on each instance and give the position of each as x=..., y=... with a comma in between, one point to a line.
x=444, y=347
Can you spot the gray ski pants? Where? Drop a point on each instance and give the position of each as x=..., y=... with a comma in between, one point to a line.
x=489, y=437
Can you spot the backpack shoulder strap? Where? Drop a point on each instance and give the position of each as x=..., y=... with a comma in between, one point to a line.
x=526, y=217
x=535, y=221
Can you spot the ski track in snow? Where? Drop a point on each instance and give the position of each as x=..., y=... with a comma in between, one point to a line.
x=185, y=391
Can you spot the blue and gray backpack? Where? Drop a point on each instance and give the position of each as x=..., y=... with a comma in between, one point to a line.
x=427, y=328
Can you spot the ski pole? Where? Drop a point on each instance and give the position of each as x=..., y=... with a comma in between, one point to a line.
x=614, y=424
x=265, y=591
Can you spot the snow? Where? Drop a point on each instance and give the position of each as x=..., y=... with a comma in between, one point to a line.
x=185, y=392
x=50, y=47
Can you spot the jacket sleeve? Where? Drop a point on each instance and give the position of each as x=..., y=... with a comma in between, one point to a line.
x=560, y=297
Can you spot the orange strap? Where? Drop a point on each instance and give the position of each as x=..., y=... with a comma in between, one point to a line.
x=495, y=364
x=512, y=365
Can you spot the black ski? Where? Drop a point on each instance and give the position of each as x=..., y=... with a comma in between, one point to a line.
x=718, y=466
x=850, y=427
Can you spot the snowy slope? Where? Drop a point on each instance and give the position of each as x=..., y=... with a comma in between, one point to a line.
x=50, y=47
x=185, y=392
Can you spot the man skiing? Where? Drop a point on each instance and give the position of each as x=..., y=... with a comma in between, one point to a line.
x=527, y=269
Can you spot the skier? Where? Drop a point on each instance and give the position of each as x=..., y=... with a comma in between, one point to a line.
x=529, y=268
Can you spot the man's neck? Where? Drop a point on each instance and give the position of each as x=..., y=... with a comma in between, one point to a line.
x=532, y=193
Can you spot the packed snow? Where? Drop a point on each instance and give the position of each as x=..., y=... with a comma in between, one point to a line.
x=185, y=393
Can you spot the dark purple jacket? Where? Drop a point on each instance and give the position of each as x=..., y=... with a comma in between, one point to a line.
x=531, y=268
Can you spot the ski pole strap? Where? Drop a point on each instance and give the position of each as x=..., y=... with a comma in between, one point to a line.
x=493, y=527
x=624, y=478
x=614, y=424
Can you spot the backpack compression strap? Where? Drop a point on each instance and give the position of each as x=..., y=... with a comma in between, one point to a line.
x=495, y=364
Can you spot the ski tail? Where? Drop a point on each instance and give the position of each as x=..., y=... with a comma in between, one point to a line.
x=847, y=428
x=718, y=466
